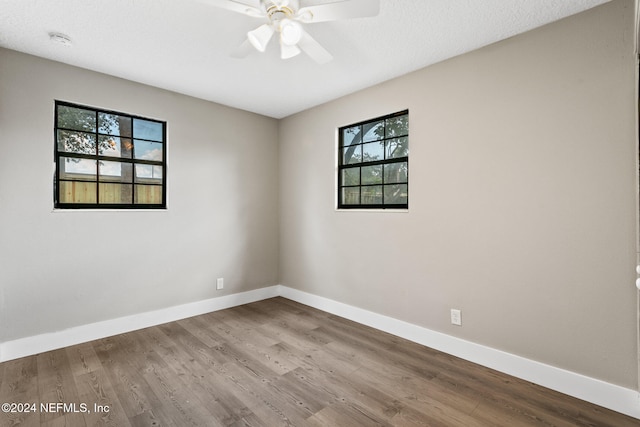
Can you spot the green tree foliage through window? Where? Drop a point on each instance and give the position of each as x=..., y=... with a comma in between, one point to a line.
x=374, y=163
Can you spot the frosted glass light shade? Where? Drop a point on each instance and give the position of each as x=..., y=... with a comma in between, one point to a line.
x=260, y=37
x=287, y=51
x=290, y=32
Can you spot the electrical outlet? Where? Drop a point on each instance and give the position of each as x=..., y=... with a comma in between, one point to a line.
x=220, y=283
x=456, y=317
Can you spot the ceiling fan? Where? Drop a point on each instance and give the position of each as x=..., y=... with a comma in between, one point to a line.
x=286, y=18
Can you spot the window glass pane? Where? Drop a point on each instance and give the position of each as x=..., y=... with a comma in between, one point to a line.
x=372, y=151
x=77, y=192
x=397, y=147
x=352, y=154
x=115, y=146
x=147, y=150
x=116, y=193
x=116, y=171
x=76, y=118
x=114, y=124
x=397, y=126
x=372, y=195
x=76, y=142
x=77, y=169
x=373, y=131
x=351, y=176
x=145, y=129
x=396, y=194
x=351, y=136
x=148, y=194
x=351, y=196
x=150, y=174
x=396, y=172
x=371, y=174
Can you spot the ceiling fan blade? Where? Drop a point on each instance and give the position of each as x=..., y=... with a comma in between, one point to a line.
x=243, y=50
x=312, y=48
x=246, y=7
x=344, y=9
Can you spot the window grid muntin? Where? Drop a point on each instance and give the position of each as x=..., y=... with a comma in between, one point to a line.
x=362, y=140
x=101, y=157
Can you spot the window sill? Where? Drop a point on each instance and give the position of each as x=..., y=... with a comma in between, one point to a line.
x=62, y=210
x=377, y=210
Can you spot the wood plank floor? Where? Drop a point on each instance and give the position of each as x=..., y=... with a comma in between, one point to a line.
x=275, y=363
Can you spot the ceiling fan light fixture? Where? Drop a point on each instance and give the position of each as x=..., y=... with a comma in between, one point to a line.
x=260, y=37
x=287, y=18
x=287, y=51
x=290, y=32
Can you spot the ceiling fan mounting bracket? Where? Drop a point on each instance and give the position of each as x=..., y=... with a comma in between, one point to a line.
x=276, y=13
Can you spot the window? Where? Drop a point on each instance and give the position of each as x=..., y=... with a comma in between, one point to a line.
x=108, y=160
x=373, y=165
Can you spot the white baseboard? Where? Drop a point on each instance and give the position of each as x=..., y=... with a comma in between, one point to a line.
x=616, y=398
x=40, y=343
x=601, y=393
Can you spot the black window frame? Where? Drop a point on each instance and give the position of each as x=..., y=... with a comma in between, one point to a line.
x=385, y=161
x=99, y=157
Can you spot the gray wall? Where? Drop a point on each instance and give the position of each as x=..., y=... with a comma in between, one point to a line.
x=522, y=198
x=64, y=269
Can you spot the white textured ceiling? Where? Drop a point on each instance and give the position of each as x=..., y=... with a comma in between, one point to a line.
x=184, y=45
